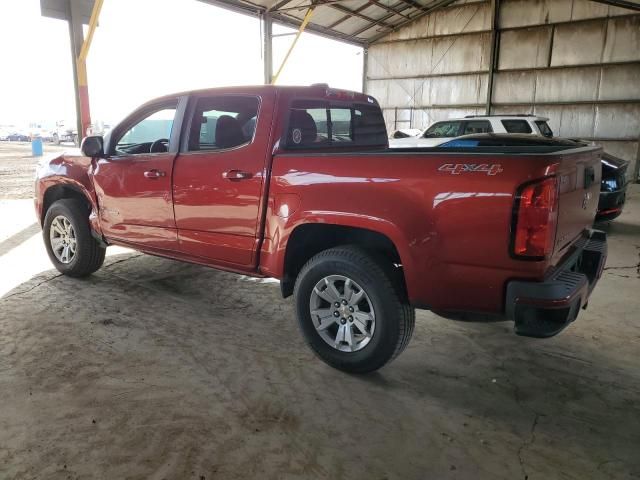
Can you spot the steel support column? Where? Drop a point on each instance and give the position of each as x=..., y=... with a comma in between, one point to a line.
x=365, y=65
x=80, y=48
x=493, y=54
x=77, y=39
x=267, y=47
x=636, y=169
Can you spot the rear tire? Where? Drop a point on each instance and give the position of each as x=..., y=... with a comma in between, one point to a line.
x=382, y=322
x=67, y=237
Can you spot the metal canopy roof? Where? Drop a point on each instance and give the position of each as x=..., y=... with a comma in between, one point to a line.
x=359, y=22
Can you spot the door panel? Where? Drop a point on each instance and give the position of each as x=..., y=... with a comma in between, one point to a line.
x=218, y=183
x=135, y=207
x=217, y=217
x=133, y=184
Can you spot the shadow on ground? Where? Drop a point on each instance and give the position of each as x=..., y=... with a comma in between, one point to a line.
x=152, y=368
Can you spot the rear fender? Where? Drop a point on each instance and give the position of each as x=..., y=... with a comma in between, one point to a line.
x=274, y=248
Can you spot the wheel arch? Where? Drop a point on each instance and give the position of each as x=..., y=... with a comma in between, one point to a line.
x=309, y=239
x=61, y=191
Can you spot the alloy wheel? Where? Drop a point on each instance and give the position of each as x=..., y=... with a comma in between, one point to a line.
x=63, y=240
x=342, y=313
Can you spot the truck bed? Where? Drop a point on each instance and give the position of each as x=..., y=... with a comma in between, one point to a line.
x=449, y=211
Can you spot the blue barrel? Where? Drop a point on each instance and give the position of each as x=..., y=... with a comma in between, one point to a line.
x=37, y=149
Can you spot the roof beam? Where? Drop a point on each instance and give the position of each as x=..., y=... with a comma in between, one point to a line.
x=292, y=22
x=278, y=5
x=413, y=4
x=359, y=9
x=389, y=9
x=621, y=3
x=432, y=8
x=308, y=5
x=356, y=13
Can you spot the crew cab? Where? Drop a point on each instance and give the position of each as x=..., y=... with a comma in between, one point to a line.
x=446, y=130
x=298, y=183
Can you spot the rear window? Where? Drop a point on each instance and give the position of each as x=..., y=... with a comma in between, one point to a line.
x=544, y=128
x=317, y=123
x=442, y=130
x=516, y=126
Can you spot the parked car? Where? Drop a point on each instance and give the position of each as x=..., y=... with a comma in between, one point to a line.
x=406, y=133
x=613, y=188
x=18, y=137
x=66, y=131
x=298, y=183
x=613, y=184
x=441, y=132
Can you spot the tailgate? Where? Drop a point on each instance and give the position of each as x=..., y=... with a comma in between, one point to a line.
x=579, y=188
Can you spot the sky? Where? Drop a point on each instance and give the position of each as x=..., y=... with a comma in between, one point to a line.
x=148, y=48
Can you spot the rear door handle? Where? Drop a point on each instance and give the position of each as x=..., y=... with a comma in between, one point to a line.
x=154, y=173
x=236, y=175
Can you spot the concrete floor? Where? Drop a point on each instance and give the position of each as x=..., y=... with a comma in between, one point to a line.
x=157, y=369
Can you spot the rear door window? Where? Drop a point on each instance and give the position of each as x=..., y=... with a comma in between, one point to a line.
x=443, y=130
x=516, y=126
x=318, y=123
x=477, y=126
x=223, y=122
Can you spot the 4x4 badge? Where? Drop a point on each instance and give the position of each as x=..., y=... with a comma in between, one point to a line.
x=458, y=168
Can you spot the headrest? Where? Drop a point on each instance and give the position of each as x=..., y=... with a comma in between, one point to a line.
x=302, y=128
x=228, y=132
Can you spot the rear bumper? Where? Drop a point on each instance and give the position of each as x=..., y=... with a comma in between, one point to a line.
x=610, y=204
x=543, y=309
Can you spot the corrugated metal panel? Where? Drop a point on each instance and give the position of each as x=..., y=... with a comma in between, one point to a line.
x=623, y=40
x=474, y=17
x=517, y=13
x=617, y=121
x=590, y=38
x=620, y=82
x=557, y=58
x=516, y=87
x=576, y=84
x=524, y=48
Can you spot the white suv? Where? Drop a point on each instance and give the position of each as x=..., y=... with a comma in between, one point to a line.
x=446, y=130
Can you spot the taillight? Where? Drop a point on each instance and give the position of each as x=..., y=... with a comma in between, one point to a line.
x=535, y=219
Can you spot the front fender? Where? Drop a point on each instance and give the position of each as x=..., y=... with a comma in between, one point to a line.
x=61, y=176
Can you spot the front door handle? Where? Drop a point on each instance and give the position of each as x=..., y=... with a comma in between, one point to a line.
x=236, y=175
x=154, y=173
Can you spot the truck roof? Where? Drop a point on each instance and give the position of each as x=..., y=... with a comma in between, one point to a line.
x=321, y=90
x=514, y=115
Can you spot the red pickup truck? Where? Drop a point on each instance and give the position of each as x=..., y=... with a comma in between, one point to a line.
x=298, y=183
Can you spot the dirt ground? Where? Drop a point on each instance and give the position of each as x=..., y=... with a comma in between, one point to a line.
x=17, y=167
x=157, y=369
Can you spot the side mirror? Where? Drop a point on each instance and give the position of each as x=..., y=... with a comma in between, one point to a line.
x=92, y=146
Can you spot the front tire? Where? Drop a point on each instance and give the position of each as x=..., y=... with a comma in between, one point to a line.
x=67, y=237
x=351, y=311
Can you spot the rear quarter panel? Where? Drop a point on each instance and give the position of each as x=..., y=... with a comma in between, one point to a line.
x=452, y=230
